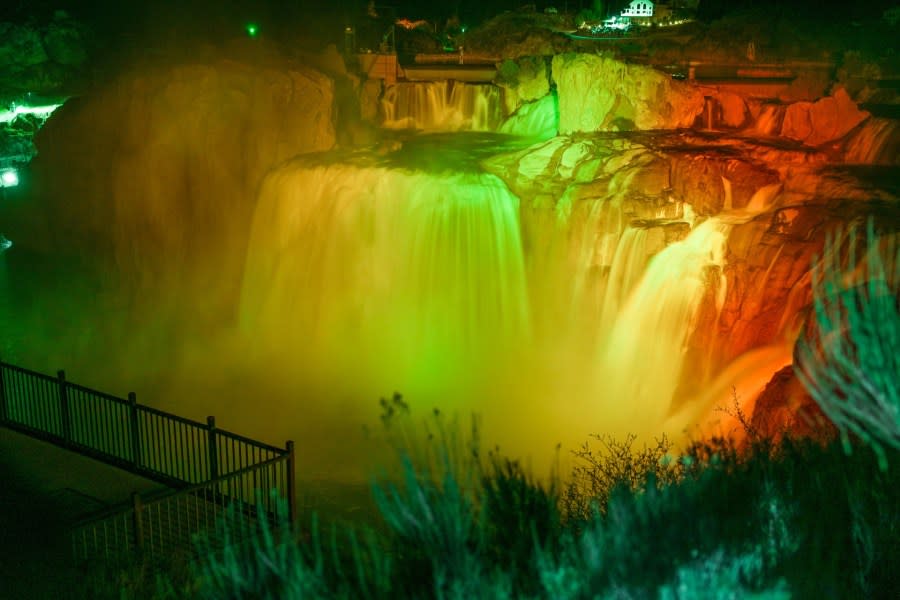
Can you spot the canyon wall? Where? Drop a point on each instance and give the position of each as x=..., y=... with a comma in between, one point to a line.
x=157, y=173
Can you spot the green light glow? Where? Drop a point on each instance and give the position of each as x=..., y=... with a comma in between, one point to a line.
x=9, y=178
x=252, y=29
x=42, y=112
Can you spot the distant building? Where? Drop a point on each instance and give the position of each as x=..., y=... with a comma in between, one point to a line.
x=646, y=12
x=639, y=8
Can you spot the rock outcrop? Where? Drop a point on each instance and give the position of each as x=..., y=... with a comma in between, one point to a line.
x=40, y=59
x=822, y=121
x=785, y=407
x=598, y=93
x=524, y=80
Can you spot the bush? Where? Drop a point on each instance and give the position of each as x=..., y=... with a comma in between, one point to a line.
x=849, y=359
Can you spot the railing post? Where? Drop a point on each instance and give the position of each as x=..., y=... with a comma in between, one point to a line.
x=138, y=522
x=4, y=407
x=211, y=447
x=135, y=430
x=291, y=484
x=64, y=407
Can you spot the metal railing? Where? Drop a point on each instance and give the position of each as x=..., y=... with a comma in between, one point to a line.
x=166, y=524
x=207, y=466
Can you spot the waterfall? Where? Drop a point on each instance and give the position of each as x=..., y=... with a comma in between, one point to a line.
x=768, y=123
x=442, y=106
x=628, y=266
x=709, y=114
x=874, y=142
x=640, y=359
x=538, y=119
x=404, y=279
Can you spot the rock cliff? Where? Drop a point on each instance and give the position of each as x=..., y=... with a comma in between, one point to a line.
x=159, y=170
x=598, y=93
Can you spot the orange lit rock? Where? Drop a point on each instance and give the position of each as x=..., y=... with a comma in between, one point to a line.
x=711, y=183
x=734, y=109
x=825, y=120
x=784, y=406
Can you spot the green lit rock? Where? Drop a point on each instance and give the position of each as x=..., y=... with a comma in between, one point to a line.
x=20, y=46
x=598, y=93
x=64, y=42
x=525, y=80
x=43, y=78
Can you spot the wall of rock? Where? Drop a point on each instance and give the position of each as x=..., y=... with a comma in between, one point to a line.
x=599, y=93
x=156, y=174
x=40, y=58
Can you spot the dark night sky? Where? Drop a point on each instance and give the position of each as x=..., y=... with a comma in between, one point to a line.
x=147, y=13
x=141, y=24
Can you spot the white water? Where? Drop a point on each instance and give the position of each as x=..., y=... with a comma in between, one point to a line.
x=640, y=361
x=442, y=106
x=768, y=123
x=875, y=142
x=538, y=119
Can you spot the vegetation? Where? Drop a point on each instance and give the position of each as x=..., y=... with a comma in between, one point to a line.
x=796, y=519
x=850, y=360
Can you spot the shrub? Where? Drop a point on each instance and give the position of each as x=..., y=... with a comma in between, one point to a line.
x=615, y=463
x=849, y=359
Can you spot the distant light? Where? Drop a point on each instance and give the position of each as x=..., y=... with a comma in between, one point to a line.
x=9, y=178
x=463, y=28
x=252, y=29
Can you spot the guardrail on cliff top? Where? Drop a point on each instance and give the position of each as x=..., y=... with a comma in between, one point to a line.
x=207, y=467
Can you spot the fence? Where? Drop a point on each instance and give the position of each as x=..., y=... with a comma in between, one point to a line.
x=212, y=468
x=165, y=525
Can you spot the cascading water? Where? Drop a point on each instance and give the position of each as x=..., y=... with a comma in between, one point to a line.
x=442, y=106
x=641, y=357
x=875, y=142
x=587, y=304
x=538, y=119
x=769, y=121
x=407, y=280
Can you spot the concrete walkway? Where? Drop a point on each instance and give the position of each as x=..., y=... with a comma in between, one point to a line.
x=43, y=491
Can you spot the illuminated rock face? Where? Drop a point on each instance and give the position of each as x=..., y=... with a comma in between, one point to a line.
x=597, y=93
x=778, y=206
x=524, y=80
x=822, y=121
x=158, y=171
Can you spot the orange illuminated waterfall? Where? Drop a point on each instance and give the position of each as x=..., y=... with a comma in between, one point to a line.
x=641, y=357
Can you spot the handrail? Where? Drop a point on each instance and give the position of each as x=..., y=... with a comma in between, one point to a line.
x=154, y=527
x=189, y=456
x=162, y=495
